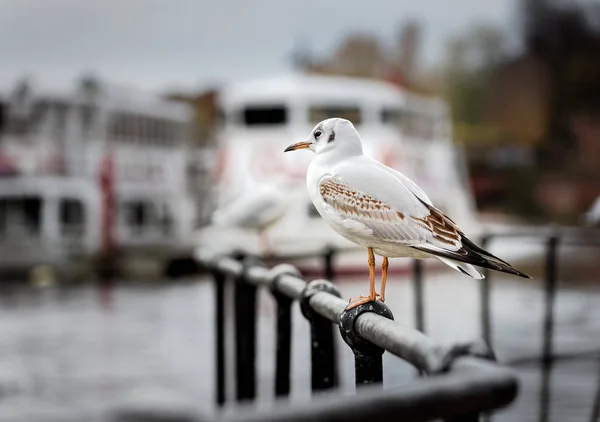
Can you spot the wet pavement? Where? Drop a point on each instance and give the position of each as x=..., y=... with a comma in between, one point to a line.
x=73, y=352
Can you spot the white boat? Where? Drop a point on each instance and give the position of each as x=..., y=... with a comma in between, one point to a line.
x=91, y=170
x=261, y=117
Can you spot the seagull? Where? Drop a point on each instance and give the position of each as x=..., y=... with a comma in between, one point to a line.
x=378, y=208
x=258, y=208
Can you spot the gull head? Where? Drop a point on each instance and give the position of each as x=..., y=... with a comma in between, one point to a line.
x=335, y=137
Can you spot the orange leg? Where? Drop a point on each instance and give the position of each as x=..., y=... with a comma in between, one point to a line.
x=360, y=300
x=384, y=267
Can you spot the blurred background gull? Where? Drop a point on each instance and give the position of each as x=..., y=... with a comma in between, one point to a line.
x=257, y=208
x=134, y=132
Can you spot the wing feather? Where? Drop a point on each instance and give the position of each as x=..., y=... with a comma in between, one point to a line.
x=396, y=210
x=383, y=203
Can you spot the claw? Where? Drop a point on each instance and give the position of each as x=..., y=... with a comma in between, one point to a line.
x=360, y=300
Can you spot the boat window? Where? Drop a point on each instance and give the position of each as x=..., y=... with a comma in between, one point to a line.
x=265, y=115
x=166, y=220
x=317, y=114
x=168, y=130
x=61, y=110
x=71, y=214
x=115, y=127
x=139, y=215
x=391, y=116
x=87, y=114
x=146, y=130
x=20, y=216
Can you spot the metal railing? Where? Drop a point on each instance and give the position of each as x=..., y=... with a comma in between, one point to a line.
x=553, y=238
x=462, y=380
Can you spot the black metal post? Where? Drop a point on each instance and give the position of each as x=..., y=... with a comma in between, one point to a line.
x=284, y=345
x=547, y=353
x=596, y=408
x=486, y=286
x=283, y=329
x=368, y=358
x=328, y=258
x=551, y=279
x=245, y=335
x=219, y=285
x=323, y=362
x=486, y=300
x=479, y=349
x=419, y=300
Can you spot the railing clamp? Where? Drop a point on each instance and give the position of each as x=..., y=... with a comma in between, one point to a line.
x=368, y=364
x=477, y=348
x=313, y=287
x=275, y=275
x=348, y=329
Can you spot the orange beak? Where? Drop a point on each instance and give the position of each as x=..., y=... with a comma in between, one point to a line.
x=298, y=145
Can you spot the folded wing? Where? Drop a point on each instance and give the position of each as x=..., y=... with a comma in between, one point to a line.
x=396, y=210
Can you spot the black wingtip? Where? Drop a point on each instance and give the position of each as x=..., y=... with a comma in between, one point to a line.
x=511, y=270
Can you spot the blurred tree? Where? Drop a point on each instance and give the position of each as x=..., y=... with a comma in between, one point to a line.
x=359, y=55
x=470, y=59
x=364, y=55
x=546, y=99
x=206, y=114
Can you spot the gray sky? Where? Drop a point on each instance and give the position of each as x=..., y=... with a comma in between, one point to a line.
x=153, y=44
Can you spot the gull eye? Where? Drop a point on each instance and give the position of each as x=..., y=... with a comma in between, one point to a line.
x=318, y=133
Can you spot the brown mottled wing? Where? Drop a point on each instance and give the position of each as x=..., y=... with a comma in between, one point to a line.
x=391, y=209
x=413, y=225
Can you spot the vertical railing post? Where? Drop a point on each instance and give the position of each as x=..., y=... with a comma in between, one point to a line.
x=368, y=358
x=596, y=407
x=486, y=300
x=323, y=362
x=328, y=258
x=245, y=334
x=547, y=347
x=219, y=286
x=284, y=330
x=419, y=299
x=486, y=324
x=479, y=349
x=551, y=281
x=284, y=345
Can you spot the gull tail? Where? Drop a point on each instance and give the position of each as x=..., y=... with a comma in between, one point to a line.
x=470, y=254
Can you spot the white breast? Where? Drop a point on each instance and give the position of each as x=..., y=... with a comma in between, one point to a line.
x=354, y=231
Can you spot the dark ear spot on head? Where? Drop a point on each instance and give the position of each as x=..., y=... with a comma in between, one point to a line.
x=331, y=137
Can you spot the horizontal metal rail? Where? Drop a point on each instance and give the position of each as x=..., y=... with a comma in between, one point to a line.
x=400, y=340
x=472, y=387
